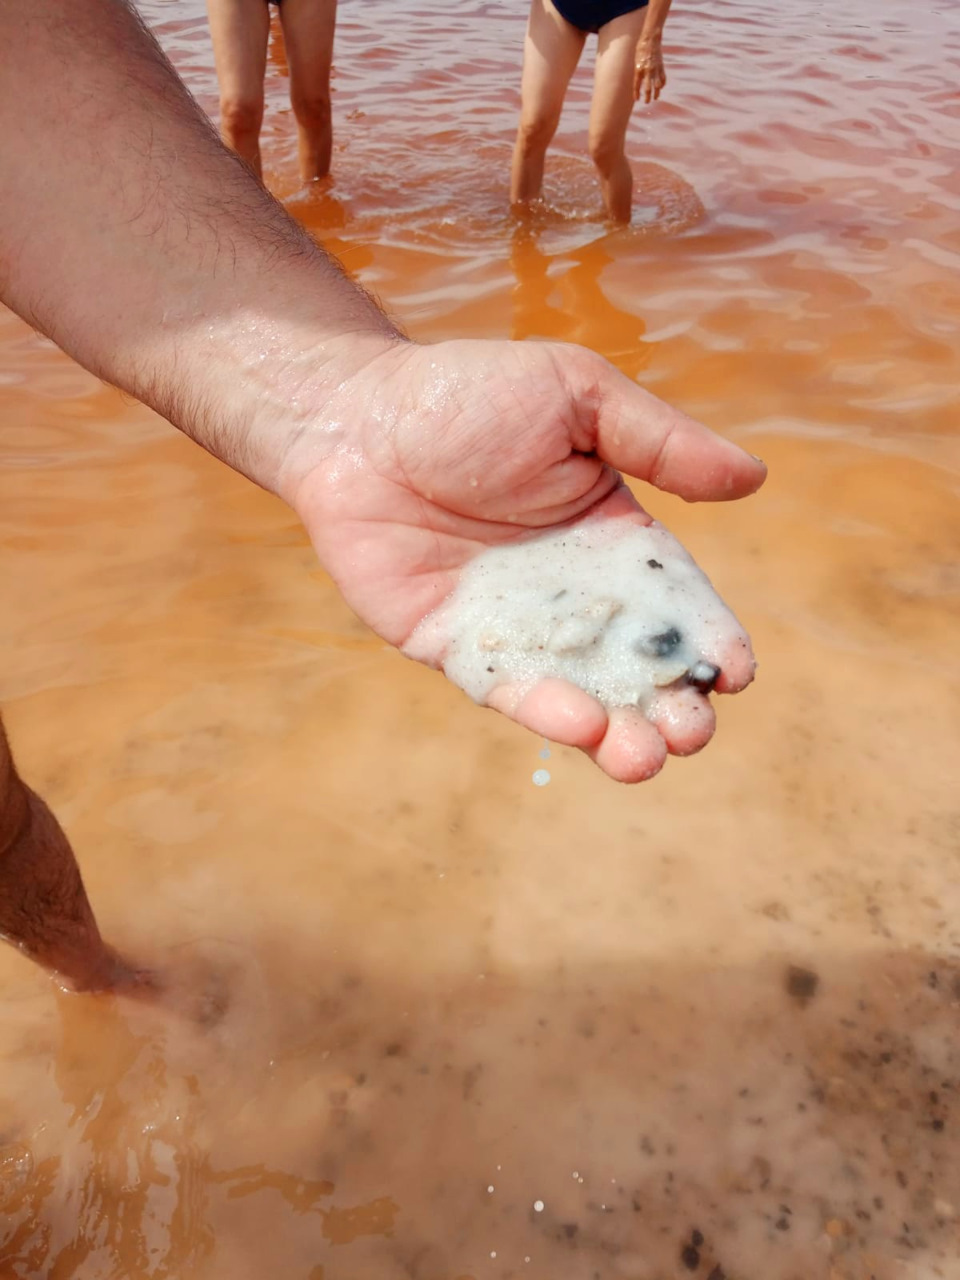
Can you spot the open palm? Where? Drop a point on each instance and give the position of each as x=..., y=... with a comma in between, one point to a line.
x=440, y=452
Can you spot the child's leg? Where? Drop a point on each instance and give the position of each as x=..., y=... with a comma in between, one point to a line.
x=611, y=108
x=308, y=30
x=239, y=29
x=550, y=54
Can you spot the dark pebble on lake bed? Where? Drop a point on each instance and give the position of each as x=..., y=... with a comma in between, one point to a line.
x=801, y=984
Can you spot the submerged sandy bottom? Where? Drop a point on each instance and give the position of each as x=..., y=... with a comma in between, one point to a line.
x=710, y=1023
x=405, y=974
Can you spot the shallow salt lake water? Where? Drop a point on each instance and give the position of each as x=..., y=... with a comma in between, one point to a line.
x=432, y=1020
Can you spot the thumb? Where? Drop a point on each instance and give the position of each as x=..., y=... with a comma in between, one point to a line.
x=642, y=436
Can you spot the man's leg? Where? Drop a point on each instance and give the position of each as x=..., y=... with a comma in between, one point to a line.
x=308, y=30
x=551, y=52
x=239, y=29
x=611, y=108
x=44, y=909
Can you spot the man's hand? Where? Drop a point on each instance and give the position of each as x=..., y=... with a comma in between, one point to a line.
x=649, y=77
x=429, y=455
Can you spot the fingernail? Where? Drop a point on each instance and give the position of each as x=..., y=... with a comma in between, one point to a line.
x=756, y=459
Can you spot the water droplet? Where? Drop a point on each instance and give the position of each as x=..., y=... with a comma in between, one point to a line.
x=540, y=778
x=538, y=1206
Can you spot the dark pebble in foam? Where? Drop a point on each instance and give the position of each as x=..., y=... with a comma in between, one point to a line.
x=704, y=676
x=663, y=644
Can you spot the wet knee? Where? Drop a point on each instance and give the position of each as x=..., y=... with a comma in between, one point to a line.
x=606, y=153
x=534, y=134
x=241, y=117
x=311, y=109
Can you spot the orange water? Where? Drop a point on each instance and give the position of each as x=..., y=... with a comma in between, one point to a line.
x=416, y=995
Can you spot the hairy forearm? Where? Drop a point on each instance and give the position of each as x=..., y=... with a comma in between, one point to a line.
x=146, y=250
x=657, y=11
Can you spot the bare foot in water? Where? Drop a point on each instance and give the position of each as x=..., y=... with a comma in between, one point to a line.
x=45, y=914
x=110, y=973
x=44, y=909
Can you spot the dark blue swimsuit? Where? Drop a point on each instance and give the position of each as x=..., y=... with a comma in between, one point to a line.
x=591, y=15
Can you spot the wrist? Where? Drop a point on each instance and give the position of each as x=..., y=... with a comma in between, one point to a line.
x=256, y=384
x=315, y=404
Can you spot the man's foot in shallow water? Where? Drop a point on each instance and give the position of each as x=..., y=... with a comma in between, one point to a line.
x=408, y=476
x=44, y=909
x=111, y=974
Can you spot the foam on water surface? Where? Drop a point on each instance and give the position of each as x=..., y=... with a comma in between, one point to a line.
x=617, y=608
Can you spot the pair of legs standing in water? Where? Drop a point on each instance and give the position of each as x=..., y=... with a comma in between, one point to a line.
x=629, y=66
x=240, y=30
